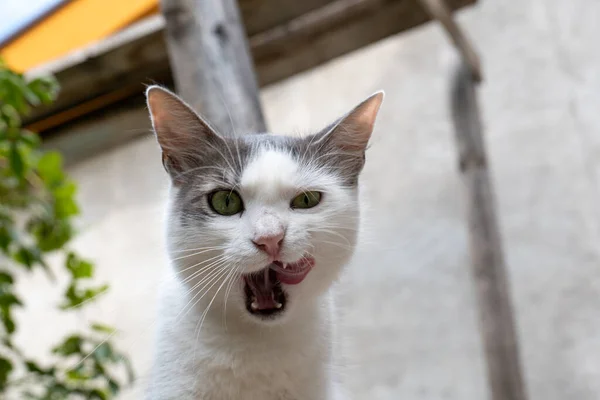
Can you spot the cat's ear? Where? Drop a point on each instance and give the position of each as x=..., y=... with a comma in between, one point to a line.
x=181, y=133
x=352, y=132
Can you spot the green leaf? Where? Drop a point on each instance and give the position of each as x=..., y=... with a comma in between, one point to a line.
x=101, y=328
x=58, y=391
x=27, y=256
x=30, y=139
x=114, y=386
x=103, y=353
x=8, y=299
x=6, y=368
x=6, y=236
x=129, y=369
x=99, y=394
x=49, y=168
x=72, y=345
x=79, y=268
x=11, y=115
x=50, y=234
x=78, y=374
x=7, y=321
x=45, y=88
x=76, y=296
x=64, y=197
x=16, y=161
x=36, y=369
x=6, y=278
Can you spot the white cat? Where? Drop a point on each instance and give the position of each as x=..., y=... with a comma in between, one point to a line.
x=259, y=228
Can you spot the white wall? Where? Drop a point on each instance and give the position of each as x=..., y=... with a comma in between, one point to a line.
x=410, y=322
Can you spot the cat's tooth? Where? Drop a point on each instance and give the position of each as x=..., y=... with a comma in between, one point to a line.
x=278, y=305
x=254, y=305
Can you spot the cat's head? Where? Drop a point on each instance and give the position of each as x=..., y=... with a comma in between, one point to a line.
x=260, y=223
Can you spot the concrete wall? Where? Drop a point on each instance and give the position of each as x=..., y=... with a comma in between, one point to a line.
x=410, y=325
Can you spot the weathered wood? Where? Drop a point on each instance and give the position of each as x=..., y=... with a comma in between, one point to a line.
x=489, y=270
x=440, y=11
x=211, y=62
x=286, y=37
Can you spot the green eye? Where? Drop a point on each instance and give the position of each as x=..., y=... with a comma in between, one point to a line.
x=226, y=202
x=306, y=200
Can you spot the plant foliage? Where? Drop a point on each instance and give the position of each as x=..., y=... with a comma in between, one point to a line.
x=37, y=207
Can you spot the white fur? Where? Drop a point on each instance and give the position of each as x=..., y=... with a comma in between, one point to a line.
x=209, y=347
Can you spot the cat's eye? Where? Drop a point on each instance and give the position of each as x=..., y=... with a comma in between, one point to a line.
x=226, y=202
x=307, y=199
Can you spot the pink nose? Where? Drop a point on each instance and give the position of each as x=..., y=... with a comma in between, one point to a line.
x=270, y=244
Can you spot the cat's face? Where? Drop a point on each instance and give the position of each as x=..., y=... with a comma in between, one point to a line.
x=260, y=224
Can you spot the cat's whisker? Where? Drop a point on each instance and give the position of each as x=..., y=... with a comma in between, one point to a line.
x=210, y=304
x=199, y=264
x=200, y=248
x=201, y=292
x=234, y=278
x=201, y=322
x=106, y=339
x=203, y=283
x=337, y=226
x=213, y=281
x=334, y=233
x=338, y=244
x=203, y=270
x=197, y=253
x=214, y=264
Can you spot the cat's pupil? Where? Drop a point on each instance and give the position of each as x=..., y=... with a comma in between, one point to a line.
x=306, y=199
x=227, y=201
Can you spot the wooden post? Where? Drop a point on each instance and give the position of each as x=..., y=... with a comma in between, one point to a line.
x=211, y=63
x=489, y=271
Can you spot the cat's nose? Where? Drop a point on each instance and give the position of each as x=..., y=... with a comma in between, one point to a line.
x=270, y=244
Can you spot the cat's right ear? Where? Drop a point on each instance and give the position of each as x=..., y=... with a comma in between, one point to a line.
x=181, y=133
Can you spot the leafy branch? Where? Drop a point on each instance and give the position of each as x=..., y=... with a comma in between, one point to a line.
x=37, y=208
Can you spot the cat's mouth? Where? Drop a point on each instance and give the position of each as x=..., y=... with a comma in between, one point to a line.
x=265, y=295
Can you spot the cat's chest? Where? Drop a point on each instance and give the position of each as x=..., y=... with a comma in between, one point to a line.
x=262, y=383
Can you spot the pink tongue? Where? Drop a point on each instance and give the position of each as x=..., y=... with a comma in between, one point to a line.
x=295, y=273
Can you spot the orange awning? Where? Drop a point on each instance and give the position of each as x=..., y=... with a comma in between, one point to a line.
x=71, y=27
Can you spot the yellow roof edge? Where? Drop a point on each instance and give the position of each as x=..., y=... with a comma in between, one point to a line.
x=71, y=26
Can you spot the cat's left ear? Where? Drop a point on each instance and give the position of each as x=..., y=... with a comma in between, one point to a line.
x=352, y=132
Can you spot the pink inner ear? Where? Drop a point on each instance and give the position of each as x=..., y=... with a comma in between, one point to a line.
x=367, y=112
x=162, y=106
x=356, y=128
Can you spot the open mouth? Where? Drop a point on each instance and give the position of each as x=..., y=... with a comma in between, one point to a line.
x=265, y=295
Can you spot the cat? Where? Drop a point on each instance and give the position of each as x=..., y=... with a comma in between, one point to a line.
x=259, y=227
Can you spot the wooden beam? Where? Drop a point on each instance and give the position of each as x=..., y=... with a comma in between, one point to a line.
x=489, y=270
x=286, y=37
x=211, y=62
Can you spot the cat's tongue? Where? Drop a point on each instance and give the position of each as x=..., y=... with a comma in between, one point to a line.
x=293, y=273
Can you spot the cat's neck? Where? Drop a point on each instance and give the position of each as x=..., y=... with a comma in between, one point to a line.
x=309, y=326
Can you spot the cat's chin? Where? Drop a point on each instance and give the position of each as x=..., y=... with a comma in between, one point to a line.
x=264, y=290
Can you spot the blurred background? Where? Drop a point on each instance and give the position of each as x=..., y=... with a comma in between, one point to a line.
x=409, y=321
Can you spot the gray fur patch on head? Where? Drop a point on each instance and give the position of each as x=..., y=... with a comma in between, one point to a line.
x=221, y=166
